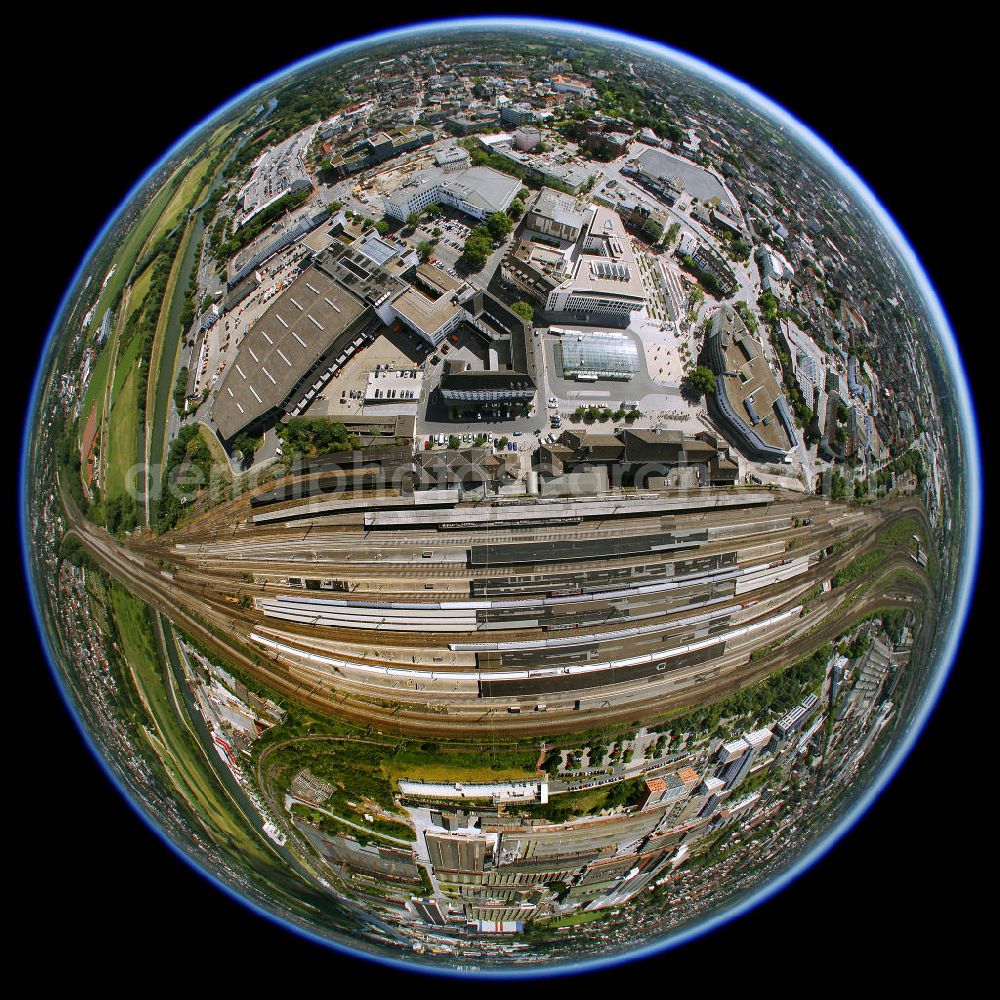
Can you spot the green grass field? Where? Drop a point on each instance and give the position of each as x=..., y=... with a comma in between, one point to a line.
x=417, y=765
x=98, y=381
x=218, y=453
x=184, y=197
x=133, y=244
x=122, y=437
x=900, y=533
x=577, y=918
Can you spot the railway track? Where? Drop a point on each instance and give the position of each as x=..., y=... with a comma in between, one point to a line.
x=197, y=600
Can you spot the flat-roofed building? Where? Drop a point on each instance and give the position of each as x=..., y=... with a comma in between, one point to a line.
x=747, y=400
x=312, y=328
x=517, y=114
x=276, y=356
x=452, y=158
x=544, y=168
x=379, y=147
x=673, y=287
x=476, y=191
x=605, y=278
x=433, y=304
x=451, y=853
x=556, y=215
x=534, y=268
x=487, y=387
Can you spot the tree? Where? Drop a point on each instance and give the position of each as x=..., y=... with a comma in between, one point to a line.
x=652, y=230
x=516, y=209
x=425, y=250
x=477, y=249
x=382, y=227
x=180, y=390
x=499, y=225
x=120, y=513
x=768, y=306
x=838, y=486
x=413, y=220
x=453, y=442
x=246, y=445
x=524, y=310
x=700, y=381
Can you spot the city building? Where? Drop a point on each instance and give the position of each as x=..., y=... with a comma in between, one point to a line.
x=542, y=168
x=452, y=158
x=563, y=83
x=517, y=114
x=487, y=387
x=378, y=148
x=433, y=304
x=320, y=320
x=556, y=216
x=653, y=455
x=597, y=354
x=672, y=283
x=476, y=191
x=747, y=402
x=535, y=269
x=604, y=279
x=527, y=137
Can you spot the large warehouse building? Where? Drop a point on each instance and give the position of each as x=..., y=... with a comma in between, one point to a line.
x=346, y=298
x=312, y=328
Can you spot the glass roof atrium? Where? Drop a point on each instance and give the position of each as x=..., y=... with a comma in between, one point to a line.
x=604, y=354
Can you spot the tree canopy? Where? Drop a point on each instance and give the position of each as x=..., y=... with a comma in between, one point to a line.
x=499, y=225
x=701, y=380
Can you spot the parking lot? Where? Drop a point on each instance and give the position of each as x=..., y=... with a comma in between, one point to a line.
x=213, y=349
x=395, y=351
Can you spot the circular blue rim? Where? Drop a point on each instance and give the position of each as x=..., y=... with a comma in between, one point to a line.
x=968, y=437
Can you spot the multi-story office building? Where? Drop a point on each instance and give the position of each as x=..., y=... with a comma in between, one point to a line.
x=556, y=216
x=604, y=279
x=476, y=191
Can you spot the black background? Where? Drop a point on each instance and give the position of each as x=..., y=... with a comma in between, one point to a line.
x=99, y=106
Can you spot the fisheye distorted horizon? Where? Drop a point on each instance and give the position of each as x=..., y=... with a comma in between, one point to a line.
x=622, y=571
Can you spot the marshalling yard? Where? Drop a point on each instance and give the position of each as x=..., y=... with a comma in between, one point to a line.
x=427, y=614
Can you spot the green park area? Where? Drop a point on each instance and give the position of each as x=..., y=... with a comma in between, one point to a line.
x=363, y=768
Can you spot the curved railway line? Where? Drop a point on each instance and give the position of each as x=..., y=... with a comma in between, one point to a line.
x=300, y=659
